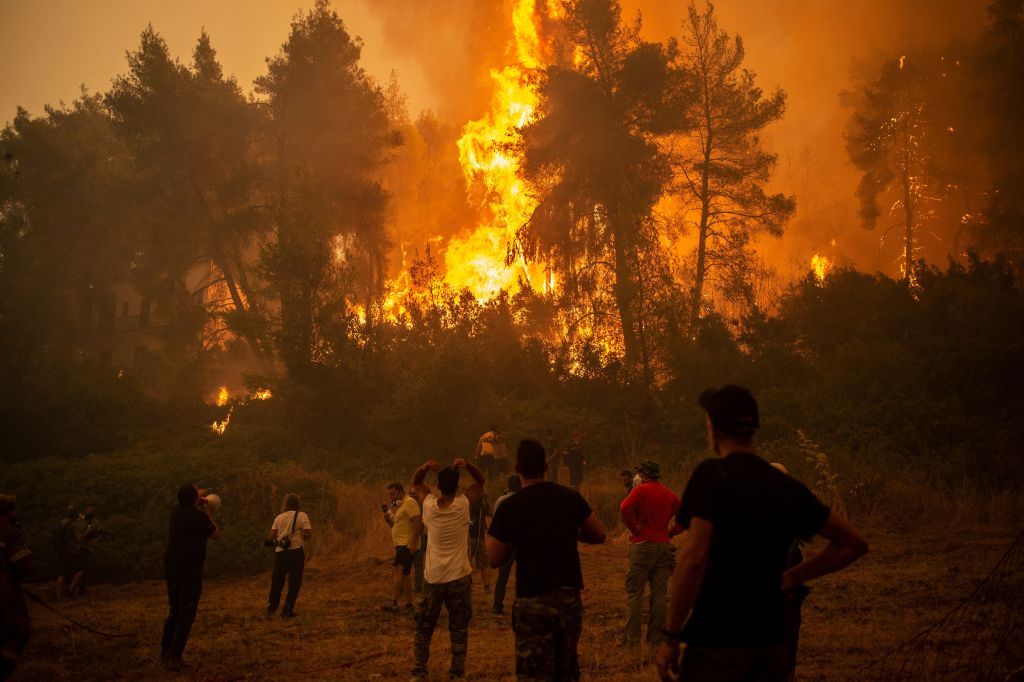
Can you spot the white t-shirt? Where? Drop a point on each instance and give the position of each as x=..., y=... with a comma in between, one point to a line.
x=283, y=525
x=447, y=540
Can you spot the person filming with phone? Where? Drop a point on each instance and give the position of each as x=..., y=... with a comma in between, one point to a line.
x=287, y=536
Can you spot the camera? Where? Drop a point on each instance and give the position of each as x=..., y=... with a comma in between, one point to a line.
x=283, y=543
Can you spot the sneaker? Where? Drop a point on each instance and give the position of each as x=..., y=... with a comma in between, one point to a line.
x=456, y=674
x=270, y=613
x=288, y=614
x=390, y=607
x=497, y=610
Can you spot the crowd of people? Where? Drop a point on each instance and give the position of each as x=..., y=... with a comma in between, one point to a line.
x=731, y=593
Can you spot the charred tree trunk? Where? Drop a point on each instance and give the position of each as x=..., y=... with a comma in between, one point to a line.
x=702, y=230
x=908, y=214
x=625, y=296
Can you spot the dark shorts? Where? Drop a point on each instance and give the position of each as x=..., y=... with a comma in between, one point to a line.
x=403, y=558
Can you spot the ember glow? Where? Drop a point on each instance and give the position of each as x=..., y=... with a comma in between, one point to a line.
x=479, y=261
x=222, y=396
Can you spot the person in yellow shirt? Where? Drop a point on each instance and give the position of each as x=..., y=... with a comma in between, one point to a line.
x=403, y=515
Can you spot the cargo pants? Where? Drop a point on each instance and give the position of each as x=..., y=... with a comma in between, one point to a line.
x=547, y=631
x=649, y=563
x=456, y=596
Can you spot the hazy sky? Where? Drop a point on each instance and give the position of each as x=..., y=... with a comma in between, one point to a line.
x=441, y=49
x=48, y=48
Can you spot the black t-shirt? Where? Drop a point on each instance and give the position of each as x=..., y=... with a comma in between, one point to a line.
x=573, y=457
x=542, y=522
x=190, y=528
x=756, y=513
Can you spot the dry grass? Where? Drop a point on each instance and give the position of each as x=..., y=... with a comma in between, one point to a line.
x=341, y=633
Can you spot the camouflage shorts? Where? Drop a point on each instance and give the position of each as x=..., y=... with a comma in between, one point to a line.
x=456, y=596
x=547, y=631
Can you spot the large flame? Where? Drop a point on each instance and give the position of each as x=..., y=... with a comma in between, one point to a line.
x=821, y=266
x=478, y=261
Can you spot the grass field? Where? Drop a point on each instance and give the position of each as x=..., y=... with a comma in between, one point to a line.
x=905, y=582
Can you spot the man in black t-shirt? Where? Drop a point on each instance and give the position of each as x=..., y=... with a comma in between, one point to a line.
x=190, y=528
x=541, y=524
x=742, y=517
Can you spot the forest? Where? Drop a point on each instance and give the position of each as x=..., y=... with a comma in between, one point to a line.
x=605, y=264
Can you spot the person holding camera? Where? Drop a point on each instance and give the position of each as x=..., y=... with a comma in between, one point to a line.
x=403, y=515
x=190, y=527
x=287, y=536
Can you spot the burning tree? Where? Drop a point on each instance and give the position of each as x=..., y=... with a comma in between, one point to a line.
x=593, y=159
x=894, y=137
x=722, y=167
x=327, y=133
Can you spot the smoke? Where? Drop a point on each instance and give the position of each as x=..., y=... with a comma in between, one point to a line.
x=455, y=42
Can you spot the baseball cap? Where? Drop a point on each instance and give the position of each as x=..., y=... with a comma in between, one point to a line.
x=648, y=469
x=732, y=409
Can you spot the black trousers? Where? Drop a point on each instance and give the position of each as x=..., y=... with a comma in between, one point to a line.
x=287, y=564
x=183, y=592
x=501, y=584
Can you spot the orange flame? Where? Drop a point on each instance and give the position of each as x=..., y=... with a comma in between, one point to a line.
x=478, y=261
x=821, y=266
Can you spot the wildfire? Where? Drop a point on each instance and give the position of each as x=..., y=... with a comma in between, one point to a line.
x=478, y=261
x=821, y=266
x=223, y=396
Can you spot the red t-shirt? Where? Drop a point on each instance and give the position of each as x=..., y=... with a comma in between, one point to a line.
x=647, y=512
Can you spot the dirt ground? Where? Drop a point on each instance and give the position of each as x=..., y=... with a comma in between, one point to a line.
x=905, y=582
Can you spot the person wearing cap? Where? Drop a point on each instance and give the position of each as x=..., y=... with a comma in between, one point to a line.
x=15, y=564
x=742, y=516
x=647, y=512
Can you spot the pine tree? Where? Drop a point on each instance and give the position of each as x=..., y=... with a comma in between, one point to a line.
x=723, y=166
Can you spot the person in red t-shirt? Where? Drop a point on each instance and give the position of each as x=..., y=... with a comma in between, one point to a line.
x=647, y=512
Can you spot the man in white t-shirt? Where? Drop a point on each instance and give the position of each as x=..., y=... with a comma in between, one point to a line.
x=291, y=528
x=447, y=569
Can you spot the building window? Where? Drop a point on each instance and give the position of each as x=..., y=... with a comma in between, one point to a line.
x=144, y=314
x=124, y=309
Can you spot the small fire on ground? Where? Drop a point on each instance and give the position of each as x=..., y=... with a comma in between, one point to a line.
x=223, y=396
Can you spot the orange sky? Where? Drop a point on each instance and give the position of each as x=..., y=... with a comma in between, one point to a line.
x=49, y=47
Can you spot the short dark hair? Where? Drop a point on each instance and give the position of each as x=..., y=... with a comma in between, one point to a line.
x=515, y=483
x=448, y=481
x=291, y=502
x=732, y=410
x=626, y=472
x=395, y=485
x=531, y=460
x=187, y=495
